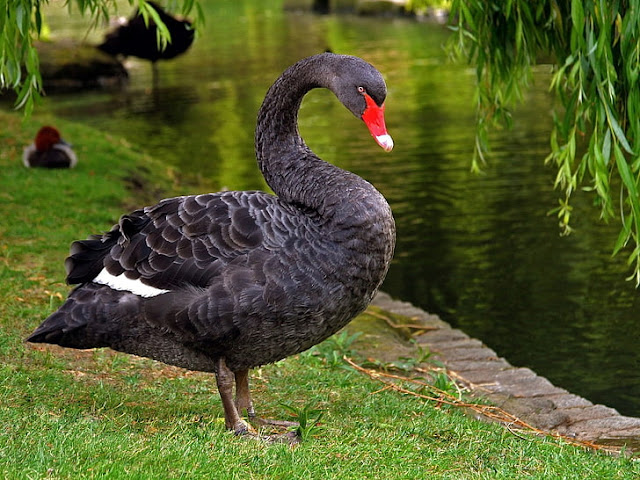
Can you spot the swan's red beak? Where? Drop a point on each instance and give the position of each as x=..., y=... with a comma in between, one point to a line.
x=373, y=117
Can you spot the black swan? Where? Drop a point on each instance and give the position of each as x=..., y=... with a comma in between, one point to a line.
x=135, y=38
x=49, y=151
x=225, y=282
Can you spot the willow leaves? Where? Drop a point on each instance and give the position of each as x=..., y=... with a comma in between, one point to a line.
x=595, y=48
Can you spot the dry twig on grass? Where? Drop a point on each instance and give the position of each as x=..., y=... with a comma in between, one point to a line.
x=419, y=329
x=440, y=397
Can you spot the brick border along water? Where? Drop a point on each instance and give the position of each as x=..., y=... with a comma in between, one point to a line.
x=519, y=391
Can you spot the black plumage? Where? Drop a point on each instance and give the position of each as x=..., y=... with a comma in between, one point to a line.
x=242, y=278
x=136, y=38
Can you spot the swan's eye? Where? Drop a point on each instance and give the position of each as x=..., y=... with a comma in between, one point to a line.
x=361, y=89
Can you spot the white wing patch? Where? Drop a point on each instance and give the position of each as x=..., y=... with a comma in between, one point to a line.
x=121, y=282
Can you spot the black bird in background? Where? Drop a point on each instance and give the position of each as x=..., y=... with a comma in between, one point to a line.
x=137, y=39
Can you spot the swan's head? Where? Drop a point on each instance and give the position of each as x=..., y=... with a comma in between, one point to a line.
x=361, y=88
x=46, y=138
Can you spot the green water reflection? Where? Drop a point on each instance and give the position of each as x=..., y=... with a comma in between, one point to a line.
x=477, y=249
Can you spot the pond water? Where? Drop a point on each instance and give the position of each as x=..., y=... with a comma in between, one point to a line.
x=479, y=250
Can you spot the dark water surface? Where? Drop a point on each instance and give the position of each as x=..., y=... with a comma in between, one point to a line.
x=479, y=250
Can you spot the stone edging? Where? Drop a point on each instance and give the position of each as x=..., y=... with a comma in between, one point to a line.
x=519, y=391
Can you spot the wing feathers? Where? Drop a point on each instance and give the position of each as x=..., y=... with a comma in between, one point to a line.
x=181, y=241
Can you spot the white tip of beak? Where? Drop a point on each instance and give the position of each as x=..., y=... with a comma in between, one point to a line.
x=385, y=141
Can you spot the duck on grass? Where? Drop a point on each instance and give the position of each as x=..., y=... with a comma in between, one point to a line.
x=49, y=150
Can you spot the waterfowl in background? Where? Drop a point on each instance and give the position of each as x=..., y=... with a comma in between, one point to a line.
x=49, y=151
x=135, y=38
x=225, y=282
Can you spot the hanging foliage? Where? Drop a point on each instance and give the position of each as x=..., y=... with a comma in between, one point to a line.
x=21, y=22
x=595, y=46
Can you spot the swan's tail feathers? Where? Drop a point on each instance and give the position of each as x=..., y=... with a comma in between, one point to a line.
x=86, y=258
x=91, y=317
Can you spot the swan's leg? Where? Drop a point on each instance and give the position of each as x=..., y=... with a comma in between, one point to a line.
x=243, y=394
x=225, y=380
x=232, y=409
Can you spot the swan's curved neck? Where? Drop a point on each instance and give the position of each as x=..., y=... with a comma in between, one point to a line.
x=278, y=115
x=290, y=168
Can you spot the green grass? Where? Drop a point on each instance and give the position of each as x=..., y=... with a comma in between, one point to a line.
x=69, y=414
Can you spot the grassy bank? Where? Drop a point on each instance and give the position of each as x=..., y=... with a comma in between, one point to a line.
x=98, y=414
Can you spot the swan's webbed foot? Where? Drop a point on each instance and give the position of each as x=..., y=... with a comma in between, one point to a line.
x=289, y=438
x=276, y=423
x=271, y=431
x=280, y=431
